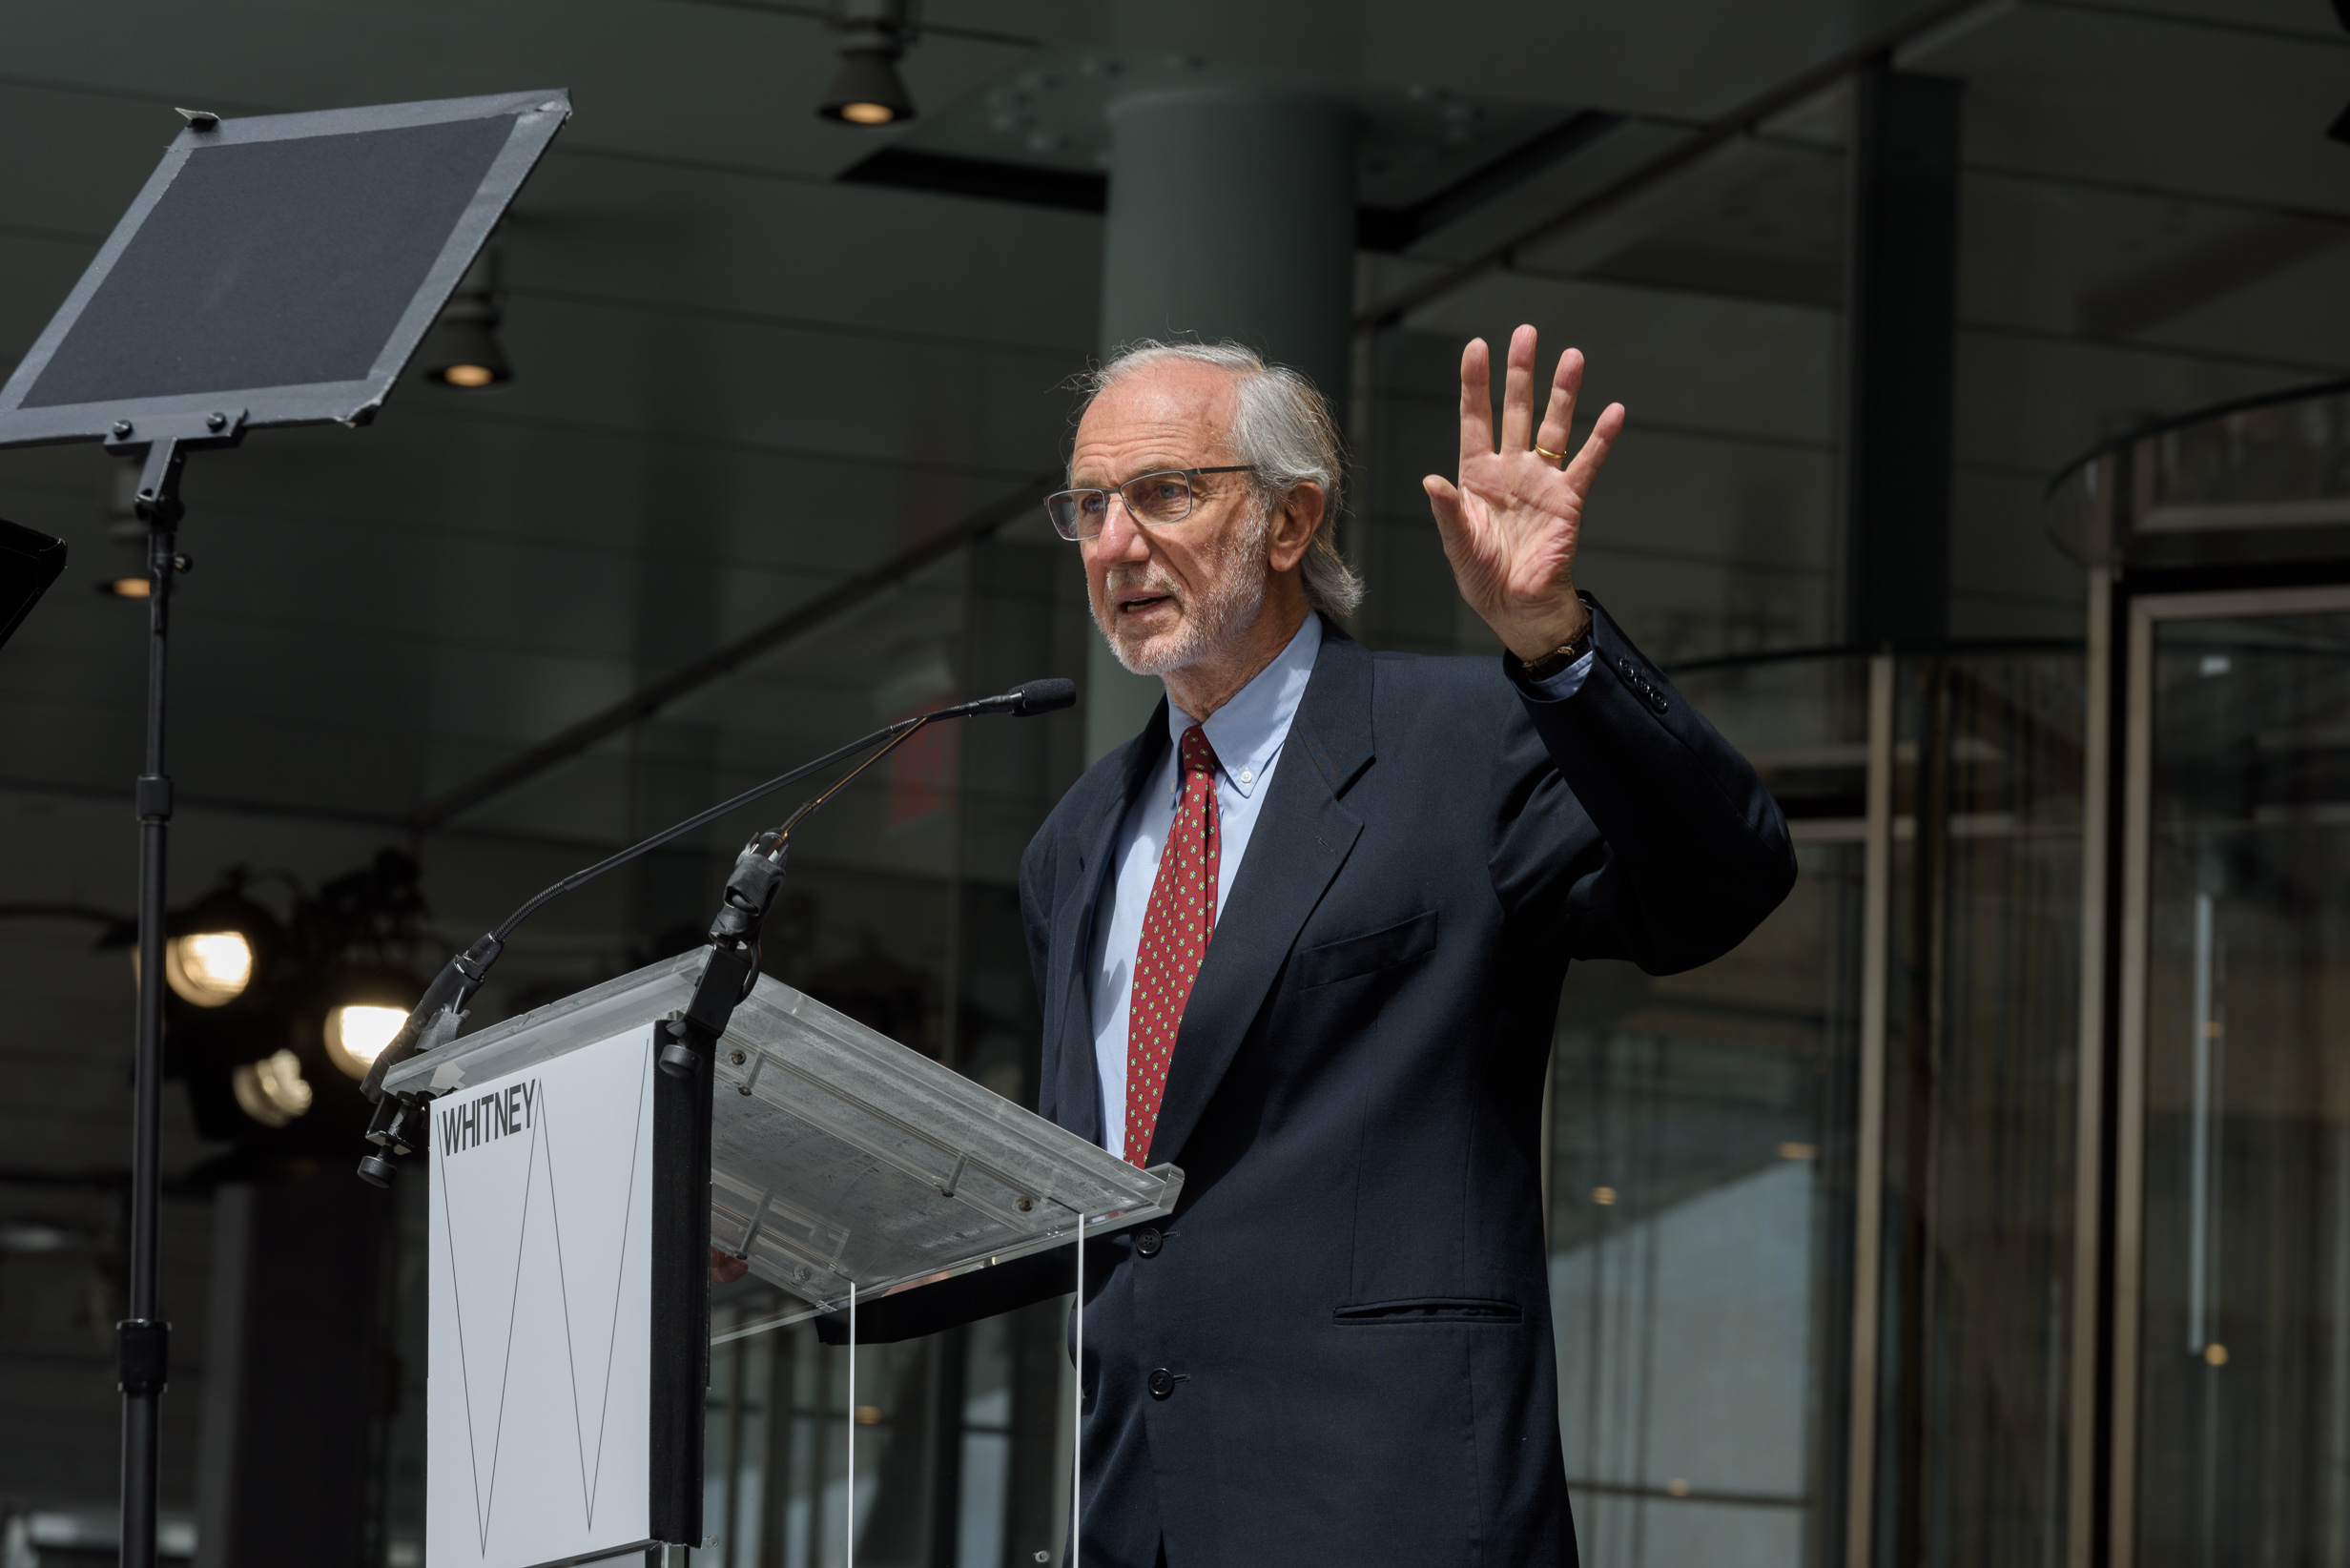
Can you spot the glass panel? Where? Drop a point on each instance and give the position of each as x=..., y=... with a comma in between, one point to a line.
x=2285, y=462
x=838, y=1157
x=1701, y=1175
x=1981, y=1044
x=2244, y=1440
x=1704, y=1146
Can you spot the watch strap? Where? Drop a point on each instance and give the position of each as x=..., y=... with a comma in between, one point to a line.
x=1559, y=658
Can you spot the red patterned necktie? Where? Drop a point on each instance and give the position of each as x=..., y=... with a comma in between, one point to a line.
x=1176, y=930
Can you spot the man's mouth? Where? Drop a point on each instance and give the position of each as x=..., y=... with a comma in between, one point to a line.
x=1139, y=603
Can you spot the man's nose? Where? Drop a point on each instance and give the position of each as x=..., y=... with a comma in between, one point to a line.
x=1122, y=537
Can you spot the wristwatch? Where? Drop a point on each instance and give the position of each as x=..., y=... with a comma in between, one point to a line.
x=1559, y=658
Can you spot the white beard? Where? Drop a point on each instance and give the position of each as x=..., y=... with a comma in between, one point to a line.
x=1227, y=607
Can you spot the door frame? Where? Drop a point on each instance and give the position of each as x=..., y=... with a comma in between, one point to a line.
x=2111, y=1198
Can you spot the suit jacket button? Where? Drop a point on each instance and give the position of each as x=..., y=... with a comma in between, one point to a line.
x=1161, y=1382
x=1147, y=1241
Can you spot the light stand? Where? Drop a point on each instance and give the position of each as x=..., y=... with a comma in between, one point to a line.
x=143, y=1340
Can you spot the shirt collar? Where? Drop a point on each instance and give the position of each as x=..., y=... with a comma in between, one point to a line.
x=1247, y=732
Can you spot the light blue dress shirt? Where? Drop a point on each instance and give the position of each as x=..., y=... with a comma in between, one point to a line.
x=1247, y=735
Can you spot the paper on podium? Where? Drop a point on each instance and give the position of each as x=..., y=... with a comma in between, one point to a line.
x=838, y=1155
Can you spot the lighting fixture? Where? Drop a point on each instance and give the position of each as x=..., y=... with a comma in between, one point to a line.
x=214, y=949
x=208, y=968
x=462, y=350
x=272, y=1090
x=357, y=1033
x=867, y=90
x=125, y=588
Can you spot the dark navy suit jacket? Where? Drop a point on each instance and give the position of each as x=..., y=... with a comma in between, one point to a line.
x=1338, y=1348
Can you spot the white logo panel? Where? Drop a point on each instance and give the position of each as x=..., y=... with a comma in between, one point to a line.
x=539, y=1391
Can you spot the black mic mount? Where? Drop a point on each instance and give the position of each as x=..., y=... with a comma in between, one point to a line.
x=732, y=968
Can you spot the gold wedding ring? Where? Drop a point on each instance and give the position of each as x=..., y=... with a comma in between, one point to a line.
x=1555, y=457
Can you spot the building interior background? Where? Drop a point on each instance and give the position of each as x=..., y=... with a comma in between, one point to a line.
x=1887, y=1239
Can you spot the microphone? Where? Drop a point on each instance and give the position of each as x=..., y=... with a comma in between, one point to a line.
x=436, y=1018
x=1025, y=700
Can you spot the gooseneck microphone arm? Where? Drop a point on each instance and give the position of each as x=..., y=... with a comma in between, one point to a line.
x=758, y=873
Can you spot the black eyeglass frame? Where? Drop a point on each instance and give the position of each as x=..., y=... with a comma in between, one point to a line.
x=1187, y=476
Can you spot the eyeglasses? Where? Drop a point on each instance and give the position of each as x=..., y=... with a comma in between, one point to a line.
x=1152, y=500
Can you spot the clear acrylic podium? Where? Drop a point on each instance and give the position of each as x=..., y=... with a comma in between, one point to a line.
x=570, y=1272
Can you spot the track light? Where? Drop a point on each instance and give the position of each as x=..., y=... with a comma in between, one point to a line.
x=462, y=350
x=867, y=90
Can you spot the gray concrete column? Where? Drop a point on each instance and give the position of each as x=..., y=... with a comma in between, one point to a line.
x=1232, y=214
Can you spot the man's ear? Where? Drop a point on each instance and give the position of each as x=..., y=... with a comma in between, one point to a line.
x=1296, y=516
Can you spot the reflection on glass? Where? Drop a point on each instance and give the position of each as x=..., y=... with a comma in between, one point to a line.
x=2244, y=1438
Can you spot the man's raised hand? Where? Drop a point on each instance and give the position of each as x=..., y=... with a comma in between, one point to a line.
x=1512, y=521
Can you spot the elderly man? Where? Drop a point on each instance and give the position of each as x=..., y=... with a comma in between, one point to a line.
x=1304, y=936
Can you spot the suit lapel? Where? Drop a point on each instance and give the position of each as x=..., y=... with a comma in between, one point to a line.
x=1068, y=1002
x=1302, y=836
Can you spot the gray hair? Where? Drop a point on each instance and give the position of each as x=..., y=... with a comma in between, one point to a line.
x=1283, y=427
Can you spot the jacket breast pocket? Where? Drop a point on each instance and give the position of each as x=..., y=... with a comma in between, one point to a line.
x=1350, y=957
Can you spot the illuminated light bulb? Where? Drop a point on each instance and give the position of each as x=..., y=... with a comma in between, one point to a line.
x=468, y=375
x=867, y=113
x=272, y=1090
x=357, y=1033
x=208, y=968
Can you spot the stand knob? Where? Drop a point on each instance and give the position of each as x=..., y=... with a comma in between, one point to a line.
x=678, y=1059
x=376, y=1171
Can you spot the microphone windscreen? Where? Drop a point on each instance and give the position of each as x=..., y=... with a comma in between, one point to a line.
x=1046, y=696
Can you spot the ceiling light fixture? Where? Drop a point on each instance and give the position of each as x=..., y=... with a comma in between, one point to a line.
x=125, y=588
x=463, y=348
x=867, y=90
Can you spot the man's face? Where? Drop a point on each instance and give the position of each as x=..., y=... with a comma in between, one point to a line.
x=1167, y=597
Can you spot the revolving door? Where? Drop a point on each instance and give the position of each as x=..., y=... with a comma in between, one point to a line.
x=2216, y=1038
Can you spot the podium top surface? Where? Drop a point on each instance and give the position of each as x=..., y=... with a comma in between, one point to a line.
x=839, y=1156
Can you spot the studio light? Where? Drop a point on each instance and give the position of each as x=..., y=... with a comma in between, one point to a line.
x=272, y=1090
x=357, y=1033
x=215, y=948
x=867, y=90
x=462, y=350
x=208, y=968
x=365, y=1004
